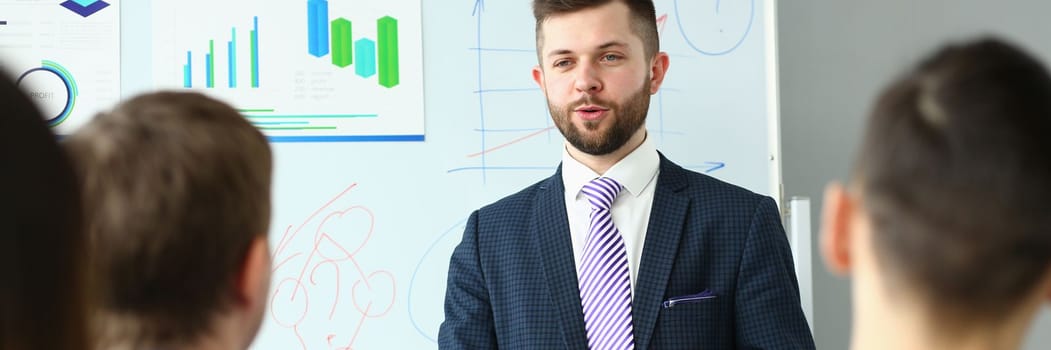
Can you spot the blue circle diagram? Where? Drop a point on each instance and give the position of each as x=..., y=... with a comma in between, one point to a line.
x=51, y=68
x=715, y=28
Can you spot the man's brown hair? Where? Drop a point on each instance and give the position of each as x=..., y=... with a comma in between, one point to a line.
x=176, y=187
x=643, y=19
x=955, y=173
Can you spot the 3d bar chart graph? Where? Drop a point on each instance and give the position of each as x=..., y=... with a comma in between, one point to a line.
x=380, y=55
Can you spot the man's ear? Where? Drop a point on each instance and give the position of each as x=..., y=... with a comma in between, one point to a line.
x=253, y=281
x=538, y=77
x=658, y=70
x=839, y=210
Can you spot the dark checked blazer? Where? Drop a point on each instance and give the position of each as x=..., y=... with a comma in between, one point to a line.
x=513, y=282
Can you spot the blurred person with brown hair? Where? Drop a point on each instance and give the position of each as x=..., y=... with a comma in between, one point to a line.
x=946, y=225
x=42, y=245
x=177, y=187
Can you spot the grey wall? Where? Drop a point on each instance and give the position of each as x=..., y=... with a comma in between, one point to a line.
x=835, y=55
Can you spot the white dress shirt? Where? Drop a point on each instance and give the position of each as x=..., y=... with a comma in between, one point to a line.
x=637, y=172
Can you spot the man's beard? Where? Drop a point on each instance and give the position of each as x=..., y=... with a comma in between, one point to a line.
x=628, y=118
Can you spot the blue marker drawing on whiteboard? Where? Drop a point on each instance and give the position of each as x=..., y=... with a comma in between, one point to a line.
x=479, y=6
x=431, y=291
x=718, y=32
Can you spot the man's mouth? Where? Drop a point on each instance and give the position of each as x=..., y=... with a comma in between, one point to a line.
x=591, y=112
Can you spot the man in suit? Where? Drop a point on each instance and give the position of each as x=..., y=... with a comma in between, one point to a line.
x=945, y=226
x=621, y=248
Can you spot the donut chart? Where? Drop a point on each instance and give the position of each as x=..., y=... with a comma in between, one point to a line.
x=46, y=82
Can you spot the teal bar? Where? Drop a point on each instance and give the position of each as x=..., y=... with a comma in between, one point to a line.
x=232, y=58
x=187, y=72
x=365, y=56
x=254, y=46
x=211, y=63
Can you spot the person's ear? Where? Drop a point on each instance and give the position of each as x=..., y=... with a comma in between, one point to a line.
x=253, y=281
x=658, y=69
x=538, y=77
x=839, y=210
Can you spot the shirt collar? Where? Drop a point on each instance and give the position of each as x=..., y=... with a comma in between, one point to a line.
x=635, y=172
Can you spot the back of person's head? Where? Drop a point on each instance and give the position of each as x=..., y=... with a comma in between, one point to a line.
x=178, y=193
x=42, y=245
x=954, y=174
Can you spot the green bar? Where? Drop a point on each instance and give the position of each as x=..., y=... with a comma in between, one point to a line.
x=387, y=37
x=342, y=48
x=211, y=62
x=297, y=128
x=254, y=52
x=312, y=116
x=250, y=110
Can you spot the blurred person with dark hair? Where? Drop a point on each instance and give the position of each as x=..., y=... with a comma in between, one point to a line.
x=178, y=193
x=946, y=224
x=43, y=250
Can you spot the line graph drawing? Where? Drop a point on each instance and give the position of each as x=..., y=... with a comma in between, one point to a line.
x=323, y=293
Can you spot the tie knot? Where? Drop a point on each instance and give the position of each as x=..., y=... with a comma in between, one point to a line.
x=601, y=192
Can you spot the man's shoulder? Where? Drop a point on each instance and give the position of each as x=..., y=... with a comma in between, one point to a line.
x=520, y=201
x=709, y=189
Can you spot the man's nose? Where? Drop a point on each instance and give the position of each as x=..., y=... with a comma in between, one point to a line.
x=587, y=79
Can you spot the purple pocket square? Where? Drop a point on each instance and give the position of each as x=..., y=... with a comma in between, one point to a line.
x=692, y=298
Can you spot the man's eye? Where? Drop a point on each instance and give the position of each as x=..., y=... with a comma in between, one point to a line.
x=610, y=57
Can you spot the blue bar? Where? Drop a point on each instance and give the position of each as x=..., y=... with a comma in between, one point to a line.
x=365, y=58
x=230, y=65
x=187, y=72
x=255, y=51
x=208, y=71
x=232, y=58
x=347, y=138
x=317, y=27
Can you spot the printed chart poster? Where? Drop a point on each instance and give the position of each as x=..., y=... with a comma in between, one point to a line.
x=301, y=71
x=64, y=54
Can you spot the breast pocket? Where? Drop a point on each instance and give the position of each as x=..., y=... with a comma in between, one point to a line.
x=695, y=323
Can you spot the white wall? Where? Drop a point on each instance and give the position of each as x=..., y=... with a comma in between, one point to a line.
x=835, y=55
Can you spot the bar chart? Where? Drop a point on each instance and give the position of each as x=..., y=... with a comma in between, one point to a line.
x=313, y=77
x=335, y=38
x=209, y=58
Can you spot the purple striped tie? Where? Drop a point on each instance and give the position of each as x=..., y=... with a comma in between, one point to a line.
x=605, y=285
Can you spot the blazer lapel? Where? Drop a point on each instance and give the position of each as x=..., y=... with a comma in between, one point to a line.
x=658, y=254
x=556, y=257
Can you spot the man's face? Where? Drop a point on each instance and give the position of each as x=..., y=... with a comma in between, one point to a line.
x=596, y=76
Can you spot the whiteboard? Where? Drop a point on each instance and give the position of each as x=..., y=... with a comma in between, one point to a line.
x=362, y=231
